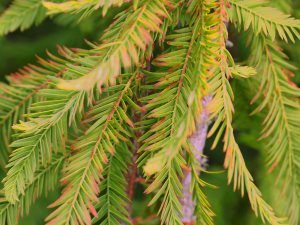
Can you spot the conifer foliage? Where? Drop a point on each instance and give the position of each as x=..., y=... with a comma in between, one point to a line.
x=95, y=121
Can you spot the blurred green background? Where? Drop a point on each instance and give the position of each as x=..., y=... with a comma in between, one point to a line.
x=18, y=49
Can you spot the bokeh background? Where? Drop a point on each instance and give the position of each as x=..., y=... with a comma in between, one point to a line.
x=20, y=48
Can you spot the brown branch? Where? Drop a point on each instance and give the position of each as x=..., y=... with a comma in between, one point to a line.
x=132, y=174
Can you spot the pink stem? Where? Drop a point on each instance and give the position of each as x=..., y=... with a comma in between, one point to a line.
x=198, y=141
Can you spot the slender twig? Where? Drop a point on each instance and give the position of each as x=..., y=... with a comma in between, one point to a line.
x=132, y=175
x=198, y=140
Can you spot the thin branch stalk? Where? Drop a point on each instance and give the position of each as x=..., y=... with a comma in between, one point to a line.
x=198, y=140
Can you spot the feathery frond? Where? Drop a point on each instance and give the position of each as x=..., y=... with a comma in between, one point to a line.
x=113, y=200
x=21, y=15
x=45, y=179
x=98, y=103
x=261, y=18
x=44, y=133
x=222, y=108
x=84, y=171
x=86, y=6
x=15, y=100
x=130, y=34
x=173, y=109
x=20, y=92
x=280, y=98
